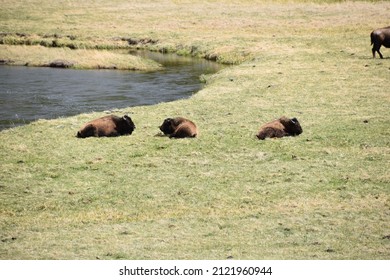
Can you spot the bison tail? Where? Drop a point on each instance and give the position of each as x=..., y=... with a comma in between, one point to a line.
x=372, y=38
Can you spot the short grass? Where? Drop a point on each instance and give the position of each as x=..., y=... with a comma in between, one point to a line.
x=322, y=195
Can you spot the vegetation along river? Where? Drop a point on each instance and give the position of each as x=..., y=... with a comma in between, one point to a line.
x=31, y=93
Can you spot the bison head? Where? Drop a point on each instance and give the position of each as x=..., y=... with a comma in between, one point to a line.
x=292, y=126
x=167, y=126
x=128, y=123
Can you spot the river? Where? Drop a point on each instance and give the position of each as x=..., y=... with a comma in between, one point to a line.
x=32, y=93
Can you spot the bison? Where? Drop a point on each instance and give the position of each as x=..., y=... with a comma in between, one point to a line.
x=380, y=37
x=108, y=126
x=179, y=128
x=279, y=128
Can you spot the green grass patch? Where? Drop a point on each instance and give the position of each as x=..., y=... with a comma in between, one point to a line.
x=321, y=195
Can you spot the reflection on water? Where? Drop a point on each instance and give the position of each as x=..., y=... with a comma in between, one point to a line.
x=28, y=94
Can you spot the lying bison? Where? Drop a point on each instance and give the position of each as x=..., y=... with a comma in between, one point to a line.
x=107, y=126
x=179, y=128
x=280, y=128
x=380, y=37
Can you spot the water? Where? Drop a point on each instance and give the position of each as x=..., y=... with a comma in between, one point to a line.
x=28, y=93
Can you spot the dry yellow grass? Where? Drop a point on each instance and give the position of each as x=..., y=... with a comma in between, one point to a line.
x=231, y=31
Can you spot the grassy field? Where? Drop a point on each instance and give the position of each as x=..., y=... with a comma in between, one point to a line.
x=322, y=195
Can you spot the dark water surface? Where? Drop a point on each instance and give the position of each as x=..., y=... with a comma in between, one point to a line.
x=29, y=93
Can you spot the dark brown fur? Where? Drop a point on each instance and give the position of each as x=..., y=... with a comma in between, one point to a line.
x=380, y=37
x=280, y=128
x=108, y=126
x=179, y=128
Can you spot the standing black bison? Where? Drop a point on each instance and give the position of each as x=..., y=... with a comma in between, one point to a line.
x=107, y=126
x=179, y=128
x=380, y=37
x=279, y=128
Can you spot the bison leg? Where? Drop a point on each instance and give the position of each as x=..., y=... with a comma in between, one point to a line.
x=376, y=48
x=112, y=134
x=380, y=54
x=87, y=131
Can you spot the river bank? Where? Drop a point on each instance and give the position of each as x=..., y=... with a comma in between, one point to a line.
x=62, y=57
